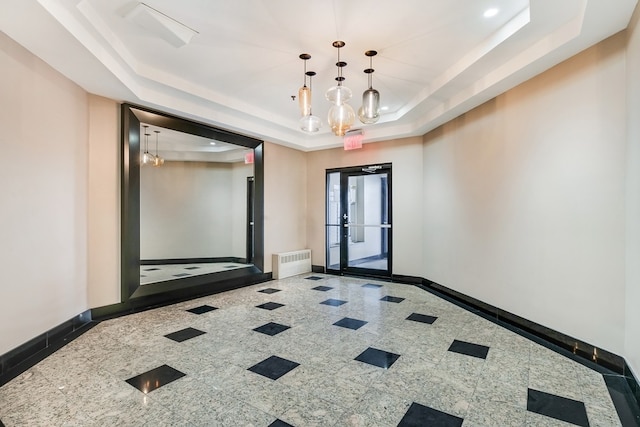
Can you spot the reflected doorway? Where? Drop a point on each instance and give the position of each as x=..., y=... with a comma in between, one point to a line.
x=358, y=227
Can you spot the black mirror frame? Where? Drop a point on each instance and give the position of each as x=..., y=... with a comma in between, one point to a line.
x=131, y=117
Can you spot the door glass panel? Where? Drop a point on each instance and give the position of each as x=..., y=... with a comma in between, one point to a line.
x=334, y=221
x=368, y=232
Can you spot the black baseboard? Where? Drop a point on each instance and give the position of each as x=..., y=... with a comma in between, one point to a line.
x=167, y=298
x=23, y=357
x=623, y=386
x=584, y=351
x=613, y=367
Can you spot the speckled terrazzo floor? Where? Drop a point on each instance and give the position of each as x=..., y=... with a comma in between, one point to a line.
x=307, y=351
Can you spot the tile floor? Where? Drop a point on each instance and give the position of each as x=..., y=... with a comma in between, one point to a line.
x=331, y=351
x=164, y=272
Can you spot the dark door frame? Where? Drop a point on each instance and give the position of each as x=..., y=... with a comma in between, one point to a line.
x=386, y=241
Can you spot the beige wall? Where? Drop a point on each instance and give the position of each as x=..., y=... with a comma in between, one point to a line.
x=193, y=210
x=285, y=205
x=43, y=219
x=406, y=158
x=632, y=338
x=185, y=210
x=103, y=222
x=525, y=199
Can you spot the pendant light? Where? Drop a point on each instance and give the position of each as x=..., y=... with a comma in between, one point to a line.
x=157, y=160
x=310, y=123
x=341, y=115
x=370, y=110
x=147, y=158
x=304, y=93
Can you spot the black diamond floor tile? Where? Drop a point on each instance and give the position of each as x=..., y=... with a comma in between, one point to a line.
x=322, y=288
x=392, y=299
x=182, y=275
x=269, y=291
x=274, y=367
x=469, y=349
x=371, y=286
x=379, y=358
x=560, y=408
x=333, y=302
x=185, y=334
x=421, y=416
x=279, y=423
x=314, y=278
x=155, y=378
x=422, y=318
x=151, y=269
x=270, y=305
x=272, y=328
x=202, y=309
x=192, y=268
x=349, y=323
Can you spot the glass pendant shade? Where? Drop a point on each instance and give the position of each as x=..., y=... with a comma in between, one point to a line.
x=158, y=161
x=338, y=94
x=147, y=158
x=341, y=118
x=370, y=110
x=310, y=123
x=304, y=99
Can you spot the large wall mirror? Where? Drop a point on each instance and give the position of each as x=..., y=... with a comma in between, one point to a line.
x=192, y=205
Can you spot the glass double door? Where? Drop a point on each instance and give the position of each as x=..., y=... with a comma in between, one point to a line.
x=358, y=227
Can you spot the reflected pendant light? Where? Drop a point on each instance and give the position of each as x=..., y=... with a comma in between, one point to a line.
x=157, y=160
x=304, y=93
x=310, y=123
x=341, y=115
x=370, y=110
x=147, y=158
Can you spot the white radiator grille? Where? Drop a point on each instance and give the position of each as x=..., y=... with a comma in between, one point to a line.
x=287, y=264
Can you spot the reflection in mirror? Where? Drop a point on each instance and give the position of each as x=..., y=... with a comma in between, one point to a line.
x=167, y=217
x=196, y=204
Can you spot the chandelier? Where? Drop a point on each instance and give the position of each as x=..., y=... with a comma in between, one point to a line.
x=341, y=116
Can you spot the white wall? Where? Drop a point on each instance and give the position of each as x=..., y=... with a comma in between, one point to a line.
x=632, y=338
x=186, y=210
x=43, y=220
x=524, y=199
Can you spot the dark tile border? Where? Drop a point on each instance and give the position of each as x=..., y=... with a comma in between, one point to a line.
x=23, y=357
x=606, y=363
x=160, y=300
x=578, y=350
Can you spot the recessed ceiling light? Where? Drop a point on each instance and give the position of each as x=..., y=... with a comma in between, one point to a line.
x=212, y=143
x=384, y=108
x=489, y=13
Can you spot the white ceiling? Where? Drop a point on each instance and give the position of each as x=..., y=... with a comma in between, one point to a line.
x=436, y=58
